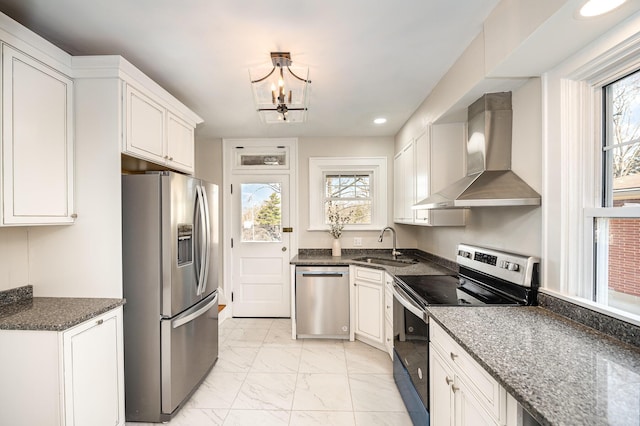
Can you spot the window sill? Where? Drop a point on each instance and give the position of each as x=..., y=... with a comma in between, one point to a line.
x=349, y=228
x=601, y=309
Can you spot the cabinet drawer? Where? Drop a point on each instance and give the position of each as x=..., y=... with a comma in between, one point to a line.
x=371, y=275
x=487, y=389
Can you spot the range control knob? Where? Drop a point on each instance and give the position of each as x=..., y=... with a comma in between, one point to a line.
x=513, y=267
x=465, y=254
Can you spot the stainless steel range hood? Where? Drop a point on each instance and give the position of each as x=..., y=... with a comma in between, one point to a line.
x=489, y=180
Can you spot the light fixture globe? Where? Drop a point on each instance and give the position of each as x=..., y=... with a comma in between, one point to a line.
x=280, y=90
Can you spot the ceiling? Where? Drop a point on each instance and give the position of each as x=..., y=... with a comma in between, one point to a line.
x=366, y=58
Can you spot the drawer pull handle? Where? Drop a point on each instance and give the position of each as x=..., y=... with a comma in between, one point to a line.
x=448, y=380
x=99, y=322
x=454, y=388
x=453, y=356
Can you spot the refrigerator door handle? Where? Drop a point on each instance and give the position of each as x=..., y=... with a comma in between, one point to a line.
x=180, y=321
x=207, y=241
x=202, y=239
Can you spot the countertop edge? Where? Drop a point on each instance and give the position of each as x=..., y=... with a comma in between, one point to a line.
x=521, y=399
x=511, y=384
x=427, y=264
x=54, y=313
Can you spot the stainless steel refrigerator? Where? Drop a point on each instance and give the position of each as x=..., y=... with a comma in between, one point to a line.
x=170, y=278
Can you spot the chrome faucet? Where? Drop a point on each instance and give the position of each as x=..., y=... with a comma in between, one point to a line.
x=395, y=253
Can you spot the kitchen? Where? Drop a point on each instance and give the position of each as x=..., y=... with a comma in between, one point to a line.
x=32, y=255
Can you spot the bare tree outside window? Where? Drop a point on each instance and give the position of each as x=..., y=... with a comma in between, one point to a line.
x=623, y=144
x=350, y=196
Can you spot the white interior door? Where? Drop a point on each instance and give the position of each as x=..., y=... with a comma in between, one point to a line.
x=261, y=249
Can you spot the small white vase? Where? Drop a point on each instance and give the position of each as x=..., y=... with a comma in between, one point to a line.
x=336, y=250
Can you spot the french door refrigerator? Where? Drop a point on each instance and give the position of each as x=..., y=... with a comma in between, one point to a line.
x=170, y=279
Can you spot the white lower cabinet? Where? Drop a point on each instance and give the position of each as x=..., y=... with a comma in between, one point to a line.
x=72, y=378
x=461, y=391
x=368, y=295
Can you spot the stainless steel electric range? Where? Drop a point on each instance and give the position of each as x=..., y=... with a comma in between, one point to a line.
x=486, y=277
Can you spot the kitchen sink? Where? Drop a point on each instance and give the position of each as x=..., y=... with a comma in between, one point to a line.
x=386, y=261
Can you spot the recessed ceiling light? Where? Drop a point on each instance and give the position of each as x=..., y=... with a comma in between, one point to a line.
x=598, y=7
x=380, y=120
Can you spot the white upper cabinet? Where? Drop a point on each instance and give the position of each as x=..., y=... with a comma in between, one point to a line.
x=180, y=142
x=37, y=142
x=404, y=184
x=145, y=124
x=439, y=162
x=156, y=134
x=425, y=166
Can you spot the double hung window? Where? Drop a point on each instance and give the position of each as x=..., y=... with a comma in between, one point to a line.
x=616, y=216
x=351, y=187
x=348, y=195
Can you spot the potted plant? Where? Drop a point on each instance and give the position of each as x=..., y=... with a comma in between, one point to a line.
x=337, y=220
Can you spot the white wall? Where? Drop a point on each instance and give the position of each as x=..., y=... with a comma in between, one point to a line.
x=14, y=258
x=85, y=259
x=345, y=147
x=208, y=156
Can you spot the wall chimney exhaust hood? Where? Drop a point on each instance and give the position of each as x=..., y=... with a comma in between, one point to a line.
x=489, y=180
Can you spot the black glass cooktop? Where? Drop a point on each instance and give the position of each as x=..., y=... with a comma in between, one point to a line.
x=451, y=290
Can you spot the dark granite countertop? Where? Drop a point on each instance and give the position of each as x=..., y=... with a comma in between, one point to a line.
x=52, y=313
x=560, y=371
x=425, y=265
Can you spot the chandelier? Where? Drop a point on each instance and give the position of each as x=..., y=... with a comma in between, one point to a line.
x=280, y=90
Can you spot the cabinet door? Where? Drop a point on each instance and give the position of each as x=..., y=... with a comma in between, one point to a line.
x=447, y=158
x=93, y=372
x=388, y=315
x=398, y=189
x=37, y=142
x=404, y=184
x=468, y=410
x=422, y=153
x=441, y=397
x=409, y=181
x=369, y=316
x=145, y=126
x=446, y=162
x=180, y=143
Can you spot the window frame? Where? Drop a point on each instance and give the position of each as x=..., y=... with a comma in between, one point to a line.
x=319, y=167
x=573, y=110
x=326, y=199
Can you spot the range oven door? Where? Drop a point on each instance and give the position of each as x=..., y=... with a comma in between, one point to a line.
x=411, y=355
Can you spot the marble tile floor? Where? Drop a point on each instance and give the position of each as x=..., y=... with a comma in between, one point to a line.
x=265, y=378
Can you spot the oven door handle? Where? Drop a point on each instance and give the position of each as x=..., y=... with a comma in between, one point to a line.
x=406, y=301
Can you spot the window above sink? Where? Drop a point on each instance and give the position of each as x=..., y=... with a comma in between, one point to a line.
x=357, y=183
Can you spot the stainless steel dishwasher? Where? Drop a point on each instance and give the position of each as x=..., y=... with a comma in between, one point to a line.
x=322, y=301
